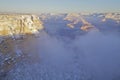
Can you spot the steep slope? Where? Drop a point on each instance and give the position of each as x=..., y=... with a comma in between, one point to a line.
x=73, y=18
x=12, y=27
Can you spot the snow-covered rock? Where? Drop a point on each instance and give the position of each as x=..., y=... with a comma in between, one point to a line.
x=75, y=19
x=12, y=27
x=15, y=24
x=113, y=16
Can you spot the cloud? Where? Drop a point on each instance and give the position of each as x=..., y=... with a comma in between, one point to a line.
x=91, y=56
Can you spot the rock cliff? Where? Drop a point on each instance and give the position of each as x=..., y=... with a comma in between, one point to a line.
x=16, y=24
x=13, y=26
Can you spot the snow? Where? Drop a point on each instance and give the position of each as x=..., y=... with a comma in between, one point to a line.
x=19, y=52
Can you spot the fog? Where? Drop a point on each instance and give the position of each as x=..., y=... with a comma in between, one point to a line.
x=93, y=56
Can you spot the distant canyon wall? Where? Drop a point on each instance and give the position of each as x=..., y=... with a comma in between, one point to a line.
x=13, y=24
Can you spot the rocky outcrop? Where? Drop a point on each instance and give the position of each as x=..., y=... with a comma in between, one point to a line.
x=13, y=26
x=88, y=27
x=17, y=24
x=113, y=16
x=78, y=18
x=10, y=54
x=73, y=18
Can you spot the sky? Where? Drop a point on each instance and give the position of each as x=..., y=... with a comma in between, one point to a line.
x=59, y=6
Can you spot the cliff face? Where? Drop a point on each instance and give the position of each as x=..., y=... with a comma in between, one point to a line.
x=11, y=51
x=113, y=16
x=19, y=24
x=75, y=19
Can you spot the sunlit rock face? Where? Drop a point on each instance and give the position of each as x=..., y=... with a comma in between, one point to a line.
x=113, y=16
x=12, y=29
x=19, y=24
x=72, y=17
x=88, y=27
x=75, y=19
